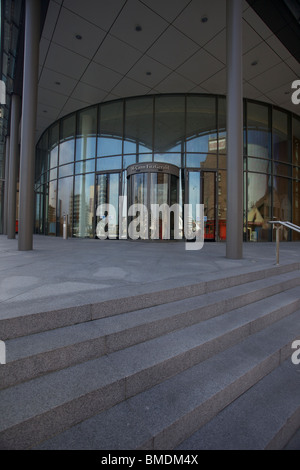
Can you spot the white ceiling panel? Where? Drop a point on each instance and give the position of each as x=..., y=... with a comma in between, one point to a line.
x=249, y=91
x=250, y=38
x=172, y=48
x=87, y=93
x=265, y=58
x=117, y=55
x=278, y=47
x=293, y=65
x=47, y=112
x=67, y=62
x=175, y=82
x=273, y=78
x=216, y=83
x=48, y=97
x=52, y=16
x=102, y=13
x=73, y=105
x=128, y=87
x=69, y=26
x=101, y=77
x=254, y=20
x=174, y=52
x=149, y=71
x=44, y=46
x=57, y=82
x=133, y=14
x=217, y=46
x=200, y=67
x=168, y=9
x=189, y=22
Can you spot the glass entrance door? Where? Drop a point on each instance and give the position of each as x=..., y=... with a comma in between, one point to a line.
x=201, y=189
x=150, y=189
x=107, y=192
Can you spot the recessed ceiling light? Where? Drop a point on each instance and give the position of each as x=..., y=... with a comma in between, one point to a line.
x=204, y=19
x=138, y=28
x=255, y=62
x=78, y=36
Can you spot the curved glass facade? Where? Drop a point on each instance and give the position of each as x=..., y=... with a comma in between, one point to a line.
x=82, y=161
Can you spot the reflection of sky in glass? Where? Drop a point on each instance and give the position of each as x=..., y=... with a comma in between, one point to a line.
x=53, y=157
x=200, y=143
x=85, y=148
x=109, y=146
x=66, y=152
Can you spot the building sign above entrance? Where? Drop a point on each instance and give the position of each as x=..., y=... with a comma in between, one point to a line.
x=153, y=167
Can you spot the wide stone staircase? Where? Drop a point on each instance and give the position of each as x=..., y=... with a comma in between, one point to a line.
x=203, y=366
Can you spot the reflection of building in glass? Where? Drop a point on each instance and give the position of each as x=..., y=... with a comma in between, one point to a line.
x=187, y=131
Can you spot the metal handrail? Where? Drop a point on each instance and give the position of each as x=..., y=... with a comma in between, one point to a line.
x=278, y=224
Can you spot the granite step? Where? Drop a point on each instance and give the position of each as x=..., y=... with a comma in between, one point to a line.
x=253, y=384
x=26, y=323
x=35, y=410
x=35, y=355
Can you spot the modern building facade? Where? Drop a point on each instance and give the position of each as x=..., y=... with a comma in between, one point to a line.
x=128, y=148
x=132, y=100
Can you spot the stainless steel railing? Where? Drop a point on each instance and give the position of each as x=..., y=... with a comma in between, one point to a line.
x=278, y=224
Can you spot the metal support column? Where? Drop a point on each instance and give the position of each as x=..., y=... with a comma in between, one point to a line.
x=5, y=212
x=14, y=153
x=30, y=86
x=234, y=226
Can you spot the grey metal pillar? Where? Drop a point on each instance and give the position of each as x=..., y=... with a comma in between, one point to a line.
x=5, y=212
x=30, y=85
x=234, y=226
x=14, y=153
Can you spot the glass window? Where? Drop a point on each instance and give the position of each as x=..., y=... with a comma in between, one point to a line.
x=110, y=163
x=54, y=136
x=201, y=161
x=296, y=207
x=138, y=125
x=67, y=144
x=128, y=160
x=169, y=133
x=281, y=147
x=66, y=170
x=53, y=157
x=258, y=137
x=110, y=129
x=259, y=207
x=222, y=124
x=201, y=122
x=51, y=209
x=281, y=169
x=173, y=158
x=296, y=142
x=53, y=174
x=86, y=166
x=65, y=204
x=86, y=134
x=261, y=166
x=144, y=158
x=282, y=198
x=84, y=206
